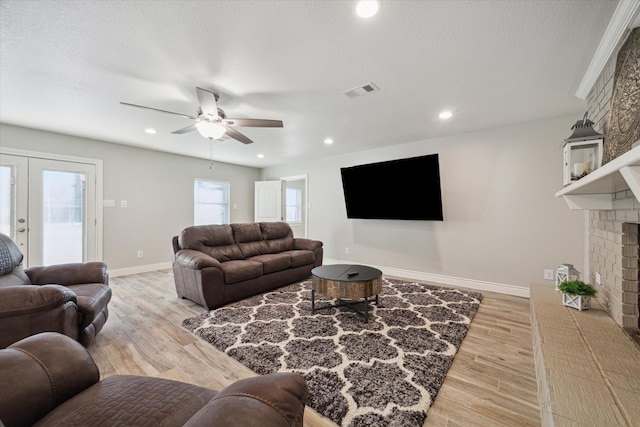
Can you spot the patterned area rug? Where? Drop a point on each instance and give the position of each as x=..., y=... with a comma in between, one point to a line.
x=384, y=372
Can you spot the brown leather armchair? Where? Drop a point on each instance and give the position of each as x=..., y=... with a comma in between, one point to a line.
x=67, y=298
x=49, y=379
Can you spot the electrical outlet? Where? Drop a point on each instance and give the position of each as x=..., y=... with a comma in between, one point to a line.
x=140, y=254
x=124, y=204
x=598, y=279
x=346, y=250
x=548, y=275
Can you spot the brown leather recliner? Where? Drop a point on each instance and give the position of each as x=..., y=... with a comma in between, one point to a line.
x=49, y=379
x=67, y=298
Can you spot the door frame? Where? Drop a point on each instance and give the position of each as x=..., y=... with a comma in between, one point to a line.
x=98, y=163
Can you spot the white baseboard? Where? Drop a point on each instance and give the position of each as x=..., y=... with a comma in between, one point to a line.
x=139, y=269
x=446, y=280
x=389, y=271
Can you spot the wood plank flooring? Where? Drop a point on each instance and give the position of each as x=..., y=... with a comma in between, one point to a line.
x=491, y=382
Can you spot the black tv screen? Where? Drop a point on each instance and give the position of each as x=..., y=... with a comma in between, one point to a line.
x=398, y=189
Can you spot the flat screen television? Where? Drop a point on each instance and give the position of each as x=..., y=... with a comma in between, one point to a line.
x=407, y=189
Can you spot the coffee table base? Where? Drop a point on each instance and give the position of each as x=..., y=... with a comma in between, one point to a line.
x=343, y=303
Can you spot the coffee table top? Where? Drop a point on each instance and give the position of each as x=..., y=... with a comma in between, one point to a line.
x=346, y=272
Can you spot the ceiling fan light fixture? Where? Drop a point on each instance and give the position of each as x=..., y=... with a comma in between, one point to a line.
x=210, y=130
x=367, y=8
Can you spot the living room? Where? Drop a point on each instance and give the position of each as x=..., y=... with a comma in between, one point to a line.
x=503, y=226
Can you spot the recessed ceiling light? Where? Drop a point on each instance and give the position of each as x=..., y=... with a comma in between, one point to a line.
x=446, y=115
x=150, y=131
x=261, y=156
x=328, y=141
x=367, y=8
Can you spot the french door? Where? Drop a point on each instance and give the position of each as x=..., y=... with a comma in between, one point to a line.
x=48, y=207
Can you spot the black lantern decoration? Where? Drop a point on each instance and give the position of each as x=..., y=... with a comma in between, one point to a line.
x=582, y=151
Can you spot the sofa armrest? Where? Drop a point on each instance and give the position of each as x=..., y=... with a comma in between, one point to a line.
x=274, y=399
x=69, y=274
x=312, y=245
x=195, y=260
x=39, y=373
x=29, y=299
x=308, y=244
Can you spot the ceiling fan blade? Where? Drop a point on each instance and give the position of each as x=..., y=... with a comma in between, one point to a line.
x=259, y=123
x=237, y=135
x=208, y=103
x=185, y=130
x=156, y=109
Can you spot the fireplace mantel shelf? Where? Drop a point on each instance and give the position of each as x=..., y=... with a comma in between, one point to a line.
x=595, y=191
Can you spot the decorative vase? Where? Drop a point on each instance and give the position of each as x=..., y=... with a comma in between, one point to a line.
x=579, y=302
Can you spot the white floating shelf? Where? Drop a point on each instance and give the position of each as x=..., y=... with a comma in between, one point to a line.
x=595, y=190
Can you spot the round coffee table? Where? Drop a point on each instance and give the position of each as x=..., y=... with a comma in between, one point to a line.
x=346, y=281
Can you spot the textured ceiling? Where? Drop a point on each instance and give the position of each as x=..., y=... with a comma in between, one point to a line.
x=66, y=65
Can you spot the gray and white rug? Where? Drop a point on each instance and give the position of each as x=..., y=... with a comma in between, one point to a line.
x=386, y=372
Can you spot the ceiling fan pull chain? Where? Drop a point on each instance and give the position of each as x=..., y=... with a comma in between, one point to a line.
x=211, y=154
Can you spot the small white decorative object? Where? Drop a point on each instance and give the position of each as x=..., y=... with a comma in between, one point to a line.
x=580, y=302
x=566, y=272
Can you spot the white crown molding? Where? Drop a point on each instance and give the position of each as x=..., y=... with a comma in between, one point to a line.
x=621, y=21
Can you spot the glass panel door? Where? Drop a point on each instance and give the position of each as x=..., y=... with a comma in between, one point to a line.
x=63, y=207
x=62, y=214
x=14, y=200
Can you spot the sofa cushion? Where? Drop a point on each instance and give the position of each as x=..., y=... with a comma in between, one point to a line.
x=214, y=240
x=301, y=257
x=243, y=233
x=248, y=237
x=278, y=236
x=273, y=262
x=239, y=270
x=131, y=400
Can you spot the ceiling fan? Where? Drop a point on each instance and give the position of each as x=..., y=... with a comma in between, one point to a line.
x=212, y=122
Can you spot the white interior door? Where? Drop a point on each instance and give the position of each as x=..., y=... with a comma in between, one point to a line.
x=268, y=201
x=49, y=209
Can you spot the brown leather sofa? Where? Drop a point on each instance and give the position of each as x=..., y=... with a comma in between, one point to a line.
x=49, y=379
x=214, y=265
x=67, y=298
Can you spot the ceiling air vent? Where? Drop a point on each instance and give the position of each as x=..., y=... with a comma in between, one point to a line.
x=361, y=90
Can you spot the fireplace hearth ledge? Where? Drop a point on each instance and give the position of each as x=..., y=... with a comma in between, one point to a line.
x=595, y=191
x=587, y=367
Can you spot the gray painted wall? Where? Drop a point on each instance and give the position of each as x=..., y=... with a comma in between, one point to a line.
x=502, y=223
x=157, y=186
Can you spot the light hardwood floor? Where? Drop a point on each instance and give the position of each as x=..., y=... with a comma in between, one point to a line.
x=491, y=382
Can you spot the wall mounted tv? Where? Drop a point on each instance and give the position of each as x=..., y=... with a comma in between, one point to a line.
x=406, y=189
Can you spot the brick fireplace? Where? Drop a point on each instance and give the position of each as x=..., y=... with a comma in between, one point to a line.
x=614, y=256
x=613, y=233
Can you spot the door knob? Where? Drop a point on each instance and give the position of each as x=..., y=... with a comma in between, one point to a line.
x=21, y=230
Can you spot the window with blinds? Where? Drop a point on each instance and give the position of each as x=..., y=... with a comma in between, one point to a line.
x=211, y=202
x=293, y=205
